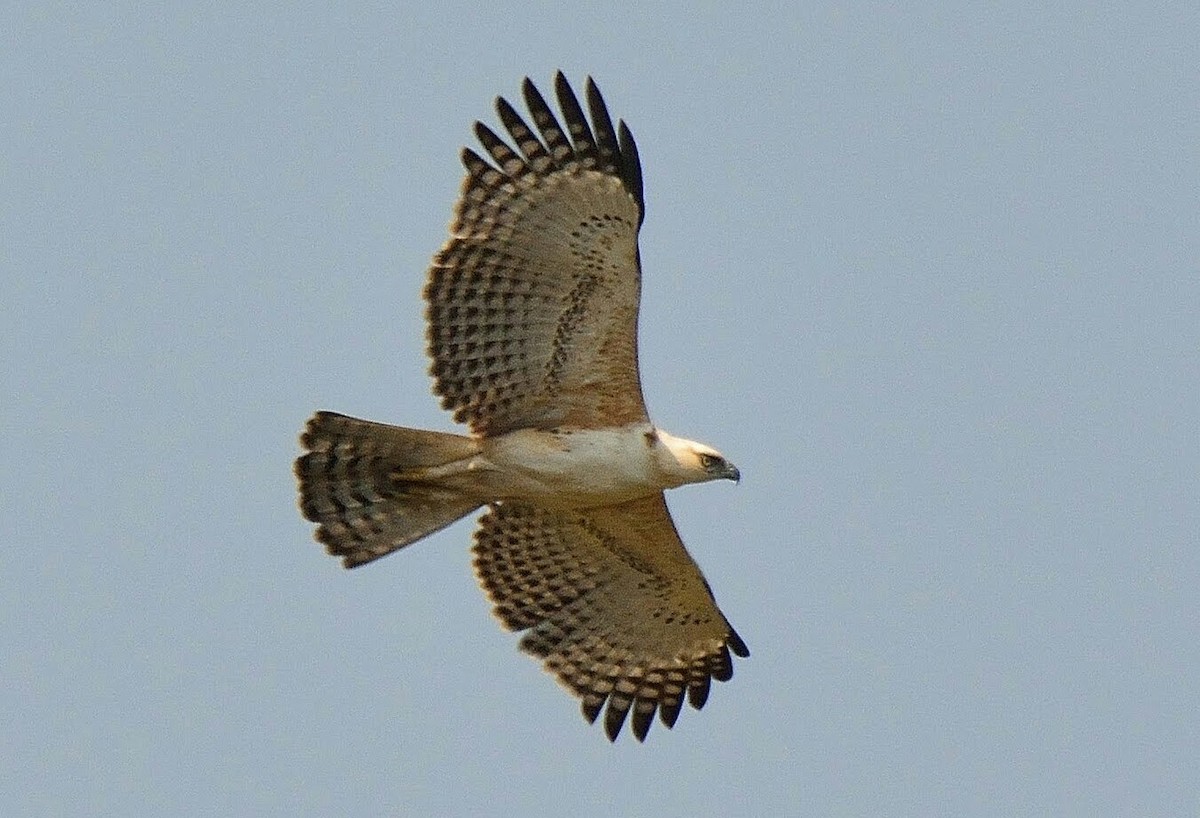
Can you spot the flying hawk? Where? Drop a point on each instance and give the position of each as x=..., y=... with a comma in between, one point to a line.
x=532, y=309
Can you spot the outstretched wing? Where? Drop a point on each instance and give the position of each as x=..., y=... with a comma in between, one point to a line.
x=532, y=303
x=614, y=606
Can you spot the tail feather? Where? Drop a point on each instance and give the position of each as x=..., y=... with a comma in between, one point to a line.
x=370, y=487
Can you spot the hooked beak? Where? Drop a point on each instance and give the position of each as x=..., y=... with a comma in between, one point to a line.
x=732, y=473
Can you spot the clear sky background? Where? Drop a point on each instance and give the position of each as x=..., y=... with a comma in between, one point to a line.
x=928, y=273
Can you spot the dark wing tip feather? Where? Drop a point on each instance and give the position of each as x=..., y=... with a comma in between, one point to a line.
x=581, y=130
x=476, y=167
x=591, y=707
x=737, y=644
x=528, y=144
x=617, y=150
x=643, y=717
x=614, y=715
x=602, y=127
x=668, y=711
x=597, y=143
x=721, y=665
x=631, y=167
x=533, y=97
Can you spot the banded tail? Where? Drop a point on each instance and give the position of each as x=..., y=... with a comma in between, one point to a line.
x=368, y=485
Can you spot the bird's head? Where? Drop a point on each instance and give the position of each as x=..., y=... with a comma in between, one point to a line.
x=690, y=462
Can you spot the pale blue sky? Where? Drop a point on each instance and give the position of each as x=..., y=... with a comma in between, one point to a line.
x=927, y=273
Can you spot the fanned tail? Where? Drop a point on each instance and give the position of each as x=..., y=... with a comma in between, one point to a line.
x=373, y=488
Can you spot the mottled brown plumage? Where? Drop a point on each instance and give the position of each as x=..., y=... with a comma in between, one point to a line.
x=365, y=483
x=533, y=302
x=532, y=309
x=613, y=620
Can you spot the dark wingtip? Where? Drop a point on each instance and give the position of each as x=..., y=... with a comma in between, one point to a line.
x=631, y=169
x=722, y=667
x=591, y=708
x=507, y=112
x=614, y=715
x=643, y=717
x=668, y=712
x=618, y=144
x=737, y=645
x=613, y=723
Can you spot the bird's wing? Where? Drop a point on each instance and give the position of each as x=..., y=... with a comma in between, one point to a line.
x=612, y=603
x=532, y=303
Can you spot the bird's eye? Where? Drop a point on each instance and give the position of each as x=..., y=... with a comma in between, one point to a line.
x=709, y=461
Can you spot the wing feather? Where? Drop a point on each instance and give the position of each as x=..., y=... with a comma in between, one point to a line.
x=556, y=141
x=582, y=139
x=485, y=175
x=504, y=157
x=536, y=156
x=613, y=605
x=602, y=127
x=631, y=164
x=532, y=303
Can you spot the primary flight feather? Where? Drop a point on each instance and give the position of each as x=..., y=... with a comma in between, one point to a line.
x=532, y=308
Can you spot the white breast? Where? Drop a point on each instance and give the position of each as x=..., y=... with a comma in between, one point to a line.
x=574, y=468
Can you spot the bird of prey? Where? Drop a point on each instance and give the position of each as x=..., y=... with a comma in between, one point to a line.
x=532, y=308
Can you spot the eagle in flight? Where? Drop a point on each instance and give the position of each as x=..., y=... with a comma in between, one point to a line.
x=532, y=309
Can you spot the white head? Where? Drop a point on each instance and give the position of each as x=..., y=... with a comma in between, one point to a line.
x=686, y=461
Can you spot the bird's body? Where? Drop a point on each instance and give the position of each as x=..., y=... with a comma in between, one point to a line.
x=581, y=468
x=574, y=469
x=532, y=308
